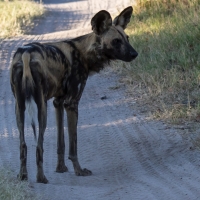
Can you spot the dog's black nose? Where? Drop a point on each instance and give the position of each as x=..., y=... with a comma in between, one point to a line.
x=134, y=54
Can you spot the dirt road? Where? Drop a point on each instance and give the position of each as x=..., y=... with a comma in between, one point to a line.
x=130, y=157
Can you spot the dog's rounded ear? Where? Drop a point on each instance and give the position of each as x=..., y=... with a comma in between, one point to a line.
x=124, y=17
x=101, y=22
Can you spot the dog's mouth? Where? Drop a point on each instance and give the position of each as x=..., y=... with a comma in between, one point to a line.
x=128, y=57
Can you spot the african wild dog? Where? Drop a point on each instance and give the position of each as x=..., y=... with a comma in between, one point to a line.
x=40, y=71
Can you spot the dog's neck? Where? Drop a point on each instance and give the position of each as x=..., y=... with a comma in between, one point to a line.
x=92, y=51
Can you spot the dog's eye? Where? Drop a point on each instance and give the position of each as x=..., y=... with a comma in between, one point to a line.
x=116, y=41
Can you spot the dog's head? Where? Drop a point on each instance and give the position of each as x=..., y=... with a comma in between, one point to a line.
x=114, y=41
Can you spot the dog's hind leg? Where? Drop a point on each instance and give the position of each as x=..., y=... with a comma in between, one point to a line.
x=42, y=120
x=72, y=118
x=19, y=111
x=61, y=167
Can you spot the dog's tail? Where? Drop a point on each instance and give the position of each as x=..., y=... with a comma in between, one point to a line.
x=27, y=79
x=28, y=86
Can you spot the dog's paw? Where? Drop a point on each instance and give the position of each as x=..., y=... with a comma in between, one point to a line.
x=22, y=176
x=42, y=179
x=83, y=172
x=61, y=168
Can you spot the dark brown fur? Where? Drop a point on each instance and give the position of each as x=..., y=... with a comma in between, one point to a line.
x=40, y=71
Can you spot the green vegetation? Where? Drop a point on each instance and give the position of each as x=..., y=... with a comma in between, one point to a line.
x=13, y=189
x=17, y=15
x=166, y=34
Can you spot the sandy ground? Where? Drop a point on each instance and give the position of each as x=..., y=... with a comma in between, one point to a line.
x=130, y=157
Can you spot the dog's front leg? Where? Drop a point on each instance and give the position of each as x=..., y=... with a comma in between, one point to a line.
x=61, y=167
x=72, y=119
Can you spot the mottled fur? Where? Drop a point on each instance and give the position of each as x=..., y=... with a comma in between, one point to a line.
x=40, y=71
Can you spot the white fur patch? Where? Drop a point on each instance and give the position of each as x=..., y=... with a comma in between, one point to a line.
x=31, y=108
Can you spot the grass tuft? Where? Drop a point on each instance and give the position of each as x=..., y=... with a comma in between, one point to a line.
x=13, y=189
x=166, y=35
x=17, y=15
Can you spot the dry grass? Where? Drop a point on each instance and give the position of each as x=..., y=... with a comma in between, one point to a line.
x=17, y=15
x=13, y=189
x=166, y=35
